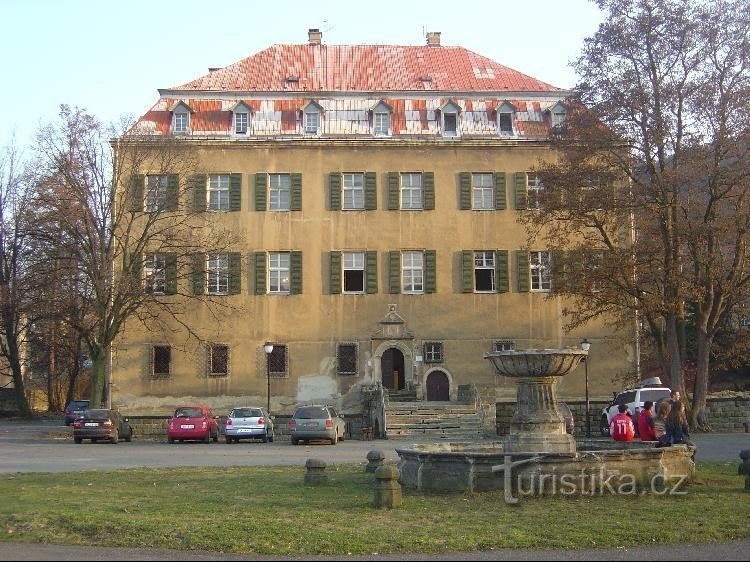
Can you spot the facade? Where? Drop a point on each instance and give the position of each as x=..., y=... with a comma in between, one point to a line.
x=374, y=192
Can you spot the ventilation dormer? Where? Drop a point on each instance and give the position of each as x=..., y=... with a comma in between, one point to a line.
x=381, y=119
x=181, y=118
x=312, y=118
x=449, y=115
x=241, y=119
x=506, y=118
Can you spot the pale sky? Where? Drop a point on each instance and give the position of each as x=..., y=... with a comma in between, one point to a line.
x=110, y=57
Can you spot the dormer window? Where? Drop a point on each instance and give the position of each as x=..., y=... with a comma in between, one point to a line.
x=381, y=120
x=181, y=118
x=241, y=119
x=505, y=118
x=449, y=119
x=311, y=118
x=558, y=115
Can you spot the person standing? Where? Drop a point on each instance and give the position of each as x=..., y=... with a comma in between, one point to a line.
x=677, y=425
x=646, y=422
x=621, y=427
x=660, y=422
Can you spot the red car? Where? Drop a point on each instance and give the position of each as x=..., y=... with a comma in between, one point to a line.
x=193, y=423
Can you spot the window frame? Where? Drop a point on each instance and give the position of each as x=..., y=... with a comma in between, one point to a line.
x=276, y=273
x=273, y=361
x=507, y=132
x=534, y=191
x=211, y=350
x=277, y=192
x=381, y=123
x=181, y=122
x=307, y=120
x=484, y=190
x=154, y=274
x=412, y=274
x=214, y=188
x=352, y=190
x=413, y=191
x=486, y=265
x=155, y=199
x=354, y=266
x=236, y=123
x=217, y=273
x=540, y=273
x=155, y=349
x=353, y=347
x=433, y=352
x=503, y=344
x=444, y=115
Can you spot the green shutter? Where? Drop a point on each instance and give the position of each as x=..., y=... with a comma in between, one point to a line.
x=394, y=190
x=173, y=192
x=520, y=190
x=430, y=271
x=500, y=190
x=295, y=272
x=334, y=191
x=371, y=193
x=198, y=274
x=135, y=263
x=261, y=187
x=137, y=186
x=198, y=187
x=235, y=273
x=502, y=280
x=464, y=185
x=371, y=267
x=428, y=191
x=524, y=274
x=335, y=273
x=394, y=272
x=235, y=192
x=467, y=271
x=170, y=273
x=559, y=269
x=260, y=273
x=295, y=200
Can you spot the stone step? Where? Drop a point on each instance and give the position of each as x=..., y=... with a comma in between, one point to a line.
x=435, y=434
x=465, y=424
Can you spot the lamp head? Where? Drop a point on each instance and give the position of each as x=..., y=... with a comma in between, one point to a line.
x=268, y=348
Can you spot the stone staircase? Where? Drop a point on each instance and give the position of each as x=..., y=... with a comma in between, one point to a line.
x=432, y=420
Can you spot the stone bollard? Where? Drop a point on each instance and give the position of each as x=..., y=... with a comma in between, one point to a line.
x=315, y=474
x=387, y=488
x=375, y=460
x=744, y=468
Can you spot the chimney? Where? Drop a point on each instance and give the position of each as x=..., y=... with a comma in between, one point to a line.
x=314, y=36
x=433, y=38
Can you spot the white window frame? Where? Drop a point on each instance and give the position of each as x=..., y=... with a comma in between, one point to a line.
x=412, y=272
x=534, y=190
x=156, y=192
x=353, y=262
x=353, y=191
x=217, y=192
x=540, y=271
x=155, y=274
x=181, y=122
x=279, y=192
x=433, y=352
x=558, y=118
x=381, y=123
x=411, y=192
x=311, y=122
x=484, y=260
x=279, y=273
x=482, y=191
x=446, y=132
x=241, y=125
x=217, y=274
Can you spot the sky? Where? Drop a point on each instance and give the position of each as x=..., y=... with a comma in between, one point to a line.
x=110, y=57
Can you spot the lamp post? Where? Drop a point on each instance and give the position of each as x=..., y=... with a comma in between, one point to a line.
x=586, y=345
x=268, y=348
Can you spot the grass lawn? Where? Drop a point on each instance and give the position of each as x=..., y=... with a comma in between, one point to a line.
x=269, y=510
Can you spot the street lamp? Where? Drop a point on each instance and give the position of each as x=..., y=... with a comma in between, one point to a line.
x=586, y=345
x=268, y=348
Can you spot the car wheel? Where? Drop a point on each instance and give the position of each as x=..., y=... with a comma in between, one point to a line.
x=216, y=436
x=228, y=439
x=264, y=438
x=170, y=440
x=78, y=440
x=335, y=439
x=93, y=440
x=604, y=426
x=295, y=441
x=270, y=438
x=129, y=437
x=207, y=438
x=115, y=437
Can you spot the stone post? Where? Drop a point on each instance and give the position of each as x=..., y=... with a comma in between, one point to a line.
x=744, y=468
x=315, y=474
x=387, y=488
x=375, y=460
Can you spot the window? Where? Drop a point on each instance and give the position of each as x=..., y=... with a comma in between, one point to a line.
x=218, y=274
x=540, y=271
x=278, y=273
x=346, y=359
x=558, y=118
x=354, y=272
x=180, y=122
x=534, y=190
x=412, y=272
x=276, y=361
x=483, y=192
x=312, y=122
x=505, y=124
x=218, y=360
x=218, y=192
x=381, y=123
x=156, y=193
x=354, y=191
x=504, y=345
x=484, y=272
x=155, y=273
x=241, y=123
x=411, y=191
x=161, y=361
x=280, y=192
x=433, y=352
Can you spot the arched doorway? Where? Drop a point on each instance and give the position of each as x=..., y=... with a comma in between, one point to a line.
x=438, y=387
x=392, y=369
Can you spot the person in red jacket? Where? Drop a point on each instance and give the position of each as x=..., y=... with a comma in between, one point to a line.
x=646, y=429
x=621, y=427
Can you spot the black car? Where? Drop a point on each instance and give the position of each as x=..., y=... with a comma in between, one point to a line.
x=75, y=409
x=102, y=424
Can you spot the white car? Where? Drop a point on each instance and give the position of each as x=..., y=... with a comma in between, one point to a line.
x=248, y=423
x=648, y=389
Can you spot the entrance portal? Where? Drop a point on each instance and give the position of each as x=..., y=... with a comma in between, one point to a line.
x=438, y=387
x=392, y=369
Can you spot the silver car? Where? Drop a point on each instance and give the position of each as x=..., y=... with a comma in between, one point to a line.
x=248, y=423
x=313, y=422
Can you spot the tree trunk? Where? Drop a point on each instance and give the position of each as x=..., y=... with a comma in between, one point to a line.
x=98, y=357
x=676, y=378
x=698, y=418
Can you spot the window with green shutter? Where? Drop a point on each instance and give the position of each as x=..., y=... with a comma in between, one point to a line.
x=394, y=272
x=371, y=266
x=499, y=190
x=170, y=274
x=467, y=271
x=334, y=283
x=235, y=273
x=371, y=194
x=261, y=187
x=198, y=273
x=522, y=265
x=464, y=187
x=173, y=192
x=520, y=190
x=334, y=191
x=295, y=272
x=428, y=191
x=260, y=272
x=430, y=271
x=197, y=185
x=295, y=202
x=394, y=191
x=235, y=192
x=502, y=278
x=137, y=186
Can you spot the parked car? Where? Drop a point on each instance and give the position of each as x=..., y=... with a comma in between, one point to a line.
x=248, y=423
x=98, y=424
x=311, y=422
x=193, y=423
x=74, y=409
x=567, y=415
x=648, y=389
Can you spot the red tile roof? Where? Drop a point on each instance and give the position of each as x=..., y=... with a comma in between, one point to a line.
x=358, y=68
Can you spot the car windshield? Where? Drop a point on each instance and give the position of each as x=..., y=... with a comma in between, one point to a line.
x=98, y=414
x=311, y=413
x=188, y=413
x=246, y=413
